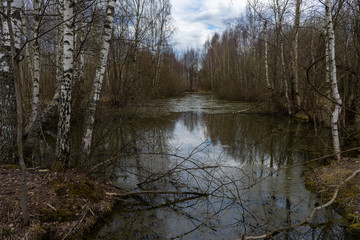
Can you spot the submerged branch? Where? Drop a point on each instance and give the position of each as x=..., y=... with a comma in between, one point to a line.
x=306, y=220
x=254, y=107
x=156, y=192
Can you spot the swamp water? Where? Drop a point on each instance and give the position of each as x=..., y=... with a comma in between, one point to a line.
x=210, y=173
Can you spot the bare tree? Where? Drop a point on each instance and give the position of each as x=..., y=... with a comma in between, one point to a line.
x=63, y=135
x=36, y=69
x=7, y=94
x=331, y=68
x=12, y=42
x=267, y=81
x=279, y=16
x=295, y=59
x=98, y=80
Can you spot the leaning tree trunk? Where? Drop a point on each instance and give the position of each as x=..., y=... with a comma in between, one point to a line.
x=330, y=52
x=98, y=81
x=63, y=134
x=14, y=40
x=43, y=118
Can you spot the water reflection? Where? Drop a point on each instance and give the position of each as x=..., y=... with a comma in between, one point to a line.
x=203, y=147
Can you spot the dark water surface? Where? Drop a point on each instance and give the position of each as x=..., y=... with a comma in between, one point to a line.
x=200, y=145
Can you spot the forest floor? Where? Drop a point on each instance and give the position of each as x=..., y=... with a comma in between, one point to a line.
x=60, y=205
x=324, y=181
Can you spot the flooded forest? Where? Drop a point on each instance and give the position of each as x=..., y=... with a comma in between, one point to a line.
x=110, y=130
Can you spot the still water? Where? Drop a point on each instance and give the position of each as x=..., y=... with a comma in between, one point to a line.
x=210, y=173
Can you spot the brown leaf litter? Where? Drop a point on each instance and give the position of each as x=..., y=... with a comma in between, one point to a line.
x=61, y=205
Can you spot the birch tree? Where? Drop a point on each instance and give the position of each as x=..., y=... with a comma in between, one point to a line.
x=7, y=94
x=60, y=47
x=331, y=73
x=279, y=16
x=295, y=59
x=163, y=15
x=63, y=134
x=36, y=69
x=98, y=80
x=267, y=81
x=42, y=118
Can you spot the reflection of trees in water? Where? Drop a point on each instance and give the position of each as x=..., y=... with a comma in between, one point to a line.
x=133, y=224
x=191, y=120
x=133, y=135
x=260, y=140
x=146, y=158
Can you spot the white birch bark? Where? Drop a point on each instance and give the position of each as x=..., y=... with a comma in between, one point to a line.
x=267, y=81
x=330, y=52
x=98, y=80
x=295, y=58
x=63, y=134
x=280, y=13
x=7, y=93
x=36, y=69
x=81, y=63
x=60, y=49
x=26, y=28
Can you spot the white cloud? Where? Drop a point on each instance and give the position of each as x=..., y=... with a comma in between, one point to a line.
x=197, y=20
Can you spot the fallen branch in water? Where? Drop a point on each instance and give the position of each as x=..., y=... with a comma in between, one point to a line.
x=253, y=107
x=155, y=192
x=306, y=220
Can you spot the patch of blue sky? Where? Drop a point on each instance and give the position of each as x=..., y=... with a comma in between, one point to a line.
x=212, y=27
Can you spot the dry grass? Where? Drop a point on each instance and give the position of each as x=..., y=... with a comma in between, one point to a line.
x=324, y=180
x=61, y=205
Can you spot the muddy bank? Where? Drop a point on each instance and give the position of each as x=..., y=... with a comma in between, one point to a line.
x=324, y=181
x=60, y=205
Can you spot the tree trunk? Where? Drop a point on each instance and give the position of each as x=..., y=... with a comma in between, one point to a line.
x=268, y=85
x=295, y=60
x=36, y=70
x=14, y=10
x=60, y=46
x=7, y=96
x=330, y=42
x=43, y=118
x=63, y=134
x=280, y=13
x=98, y=81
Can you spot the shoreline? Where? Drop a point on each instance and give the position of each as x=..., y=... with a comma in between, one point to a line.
x=61, y=205
x=324, y=180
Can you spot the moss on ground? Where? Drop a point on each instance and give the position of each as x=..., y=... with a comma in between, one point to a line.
x=53, y=215
x=84, y=189
x=324, y=180
x=61, y=204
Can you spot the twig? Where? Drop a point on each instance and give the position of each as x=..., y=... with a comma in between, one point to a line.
x=297, y=164
x=331, y=201
x=253, y=107
x=75, y=225
x=156, y=192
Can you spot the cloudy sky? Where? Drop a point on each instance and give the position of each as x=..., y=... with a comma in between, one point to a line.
x=196, y=20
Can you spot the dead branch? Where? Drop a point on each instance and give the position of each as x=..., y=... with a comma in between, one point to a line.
x=156, y=192
x=253, y=107
x=306, y=220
